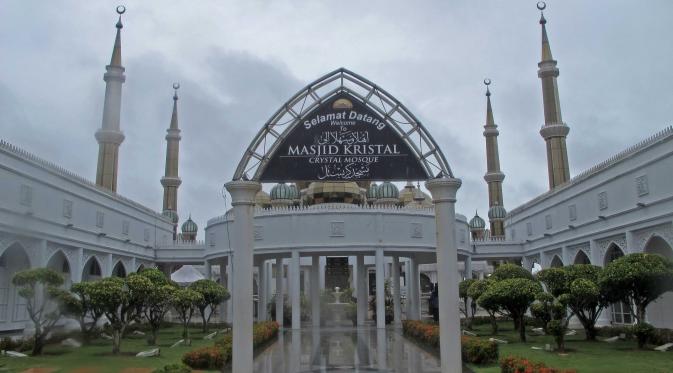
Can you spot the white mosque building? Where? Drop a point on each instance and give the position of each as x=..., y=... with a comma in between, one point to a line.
x=340, y=228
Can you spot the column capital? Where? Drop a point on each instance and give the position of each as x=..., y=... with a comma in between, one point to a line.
x=243, y=191
x=443, y=189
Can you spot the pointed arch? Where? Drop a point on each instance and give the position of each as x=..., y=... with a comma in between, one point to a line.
x=59, y=262
x=119, y=270
x=657, y=244
x=140, y=267
x=262, y=148
x=613, y=252
x=92, y=269
x=16, y=244
x=581, y=258
x=556, y=262
x=13, y=259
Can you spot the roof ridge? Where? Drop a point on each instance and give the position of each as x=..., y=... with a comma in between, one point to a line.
x=41, y=162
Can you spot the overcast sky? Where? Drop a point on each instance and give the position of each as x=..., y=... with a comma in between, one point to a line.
x=238, y=62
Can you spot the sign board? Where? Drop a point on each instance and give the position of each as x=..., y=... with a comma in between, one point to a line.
x=342, y=140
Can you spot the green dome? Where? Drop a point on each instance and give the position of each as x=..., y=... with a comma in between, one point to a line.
x=295, y=191
x=477, y=223
x=189, y=226
x=172, y=215
x=388, y=190
x=283, y=191
x=497, y=212
x=373, y=191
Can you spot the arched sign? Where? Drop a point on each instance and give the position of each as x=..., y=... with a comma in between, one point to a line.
x=342, y=139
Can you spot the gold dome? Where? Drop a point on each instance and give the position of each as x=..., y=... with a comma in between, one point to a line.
x=262, y=199
x=334, y=192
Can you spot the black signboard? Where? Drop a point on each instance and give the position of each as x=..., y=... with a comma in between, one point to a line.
x=342, y=140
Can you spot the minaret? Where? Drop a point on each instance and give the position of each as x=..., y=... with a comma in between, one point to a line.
x=171, y=181
x=554, y=130
x=109, y=136
x=494, y=176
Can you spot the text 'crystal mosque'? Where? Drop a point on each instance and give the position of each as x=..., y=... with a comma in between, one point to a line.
x=334, y=217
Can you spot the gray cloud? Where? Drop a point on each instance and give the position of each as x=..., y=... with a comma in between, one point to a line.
x=239, y=61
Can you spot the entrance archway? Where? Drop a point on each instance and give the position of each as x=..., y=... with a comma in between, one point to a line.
x=658, y=311
x=92, y=270
x=12, y=306
x=582, y=258
x=556, y=262
x=59, y=263
x=119, y=270
x=621, y=313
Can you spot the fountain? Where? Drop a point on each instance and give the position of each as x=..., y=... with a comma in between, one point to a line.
x=337, y=309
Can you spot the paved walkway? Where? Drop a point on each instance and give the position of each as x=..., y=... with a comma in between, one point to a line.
x=345, y=349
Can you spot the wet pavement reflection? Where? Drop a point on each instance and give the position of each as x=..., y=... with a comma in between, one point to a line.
x=345, y=349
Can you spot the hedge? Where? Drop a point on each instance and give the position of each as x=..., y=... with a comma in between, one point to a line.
x=474, y=350
x=216, y=356
x=515, y=364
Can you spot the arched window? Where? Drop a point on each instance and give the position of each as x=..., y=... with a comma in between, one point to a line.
x=621, y=312
x=556, y=262
x=582, y=258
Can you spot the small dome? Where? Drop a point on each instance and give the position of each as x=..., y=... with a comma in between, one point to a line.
x=172, y=215
x=189, y=226
x=477, y=223
x=497, y=212
x=388, y=190
x=283, y=191
x=262, y=199
x=373, y=191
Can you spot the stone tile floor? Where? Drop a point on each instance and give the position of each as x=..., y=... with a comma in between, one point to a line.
x=345, y=349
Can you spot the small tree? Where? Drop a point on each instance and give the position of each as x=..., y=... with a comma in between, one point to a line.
x=40, y=288
x=213, y=294
x=542, y=309
x=158, y=300
x=514, y=295
x=637, y=279
x=121, y=300
x=79, y=305
x=475, y=292
x=185, y=302
x=463, y=288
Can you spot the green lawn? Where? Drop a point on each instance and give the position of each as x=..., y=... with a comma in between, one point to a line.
x=97, y=356
x=590, y=357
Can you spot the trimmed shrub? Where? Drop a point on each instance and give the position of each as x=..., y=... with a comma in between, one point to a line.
x=474, y=350
x=216, y=356
x=643, y=332
x=173, y=368
x=515, y=364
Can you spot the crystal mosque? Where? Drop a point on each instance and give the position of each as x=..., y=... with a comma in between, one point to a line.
x=341, y=187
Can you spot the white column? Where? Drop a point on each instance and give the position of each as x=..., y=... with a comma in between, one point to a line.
x=414, y=284
x=315, y=291
x=444, y=198
x=380, y=290
x=294, y=290
x=261, y=291
x=78, y=266
x=361, y=290
x=109, y=264
x=397, y=309
x=243, y=203
x=468, y=276
x=224, y=306
x=381, y=350
x=209, y=270
x=280, y=270
x=407, y=284
x=230, y=286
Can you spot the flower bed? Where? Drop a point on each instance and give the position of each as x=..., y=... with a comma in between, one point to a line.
x=474, y=350
x=515, y=364
x=214, y=357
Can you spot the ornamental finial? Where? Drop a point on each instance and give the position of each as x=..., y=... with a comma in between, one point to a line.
x=487, y=82
x=176, y=86
x=120, y=10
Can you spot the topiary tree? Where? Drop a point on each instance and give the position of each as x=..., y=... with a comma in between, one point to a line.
x=542, y=309
x=79, y=305
x=508, y=271
x=637, y=279
x=185, y=303
x=513, y=295
x=475, y=292
x=463, y=288
x=121, y=301
x=40, y=288
x=213, y=294
x=158, y=300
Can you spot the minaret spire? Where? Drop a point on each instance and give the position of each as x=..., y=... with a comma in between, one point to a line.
x=494, y=176
x=171, y=181
x=110, y=136
x=554, y=130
